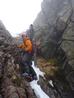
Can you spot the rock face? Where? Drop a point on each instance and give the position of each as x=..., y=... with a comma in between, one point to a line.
x=4, y=34
x=51, y=23
x=55, y=37
x=55, y=33
x=12, y=85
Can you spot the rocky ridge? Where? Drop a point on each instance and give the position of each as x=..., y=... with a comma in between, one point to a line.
x=12, y=85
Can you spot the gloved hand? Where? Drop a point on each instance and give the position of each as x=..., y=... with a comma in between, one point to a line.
x=25, y=74
x=27, y=77
x=34, y=77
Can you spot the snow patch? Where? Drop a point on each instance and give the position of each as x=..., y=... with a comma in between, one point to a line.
x=37, y=70
x=50, y=82
x=37, y=89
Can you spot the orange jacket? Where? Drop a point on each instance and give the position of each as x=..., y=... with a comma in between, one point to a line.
x=26, y=45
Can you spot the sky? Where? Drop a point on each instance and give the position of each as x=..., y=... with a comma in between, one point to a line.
x=17, y=15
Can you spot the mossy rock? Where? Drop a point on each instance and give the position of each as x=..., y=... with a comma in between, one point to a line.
x=50, y=70
x=50, y=66
x=53, y=61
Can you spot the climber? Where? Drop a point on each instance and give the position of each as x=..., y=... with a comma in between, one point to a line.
x=27, y=54
x=27, y=44
x=30, y=32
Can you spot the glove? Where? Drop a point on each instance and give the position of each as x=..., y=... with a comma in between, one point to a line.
x=34, y=77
